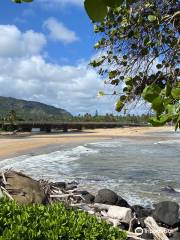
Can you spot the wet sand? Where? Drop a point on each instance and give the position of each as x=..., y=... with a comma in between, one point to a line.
x=21, y=144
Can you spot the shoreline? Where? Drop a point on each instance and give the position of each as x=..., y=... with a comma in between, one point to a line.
x=16, y=145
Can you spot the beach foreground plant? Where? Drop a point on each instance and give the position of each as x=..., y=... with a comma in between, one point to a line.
x=52, y=222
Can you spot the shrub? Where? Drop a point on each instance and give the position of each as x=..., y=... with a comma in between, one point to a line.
x=52, y=222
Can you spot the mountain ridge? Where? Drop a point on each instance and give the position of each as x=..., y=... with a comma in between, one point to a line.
x=31, y=110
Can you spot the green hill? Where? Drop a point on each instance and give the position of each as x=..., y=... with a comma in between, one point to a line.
x=29, y=110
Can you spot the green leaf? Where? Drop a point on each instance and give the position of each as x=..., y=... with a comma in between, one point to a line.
x=128, y=80
x=152, y=18
x=119, y=105
x=170, y=108
x=161, y=121
x=113, y=74
x=176, y=93
x=123, y=98
x=157, y=105
x=159, y=66
x=151, y=92
x=96, y=10
x=101, y=93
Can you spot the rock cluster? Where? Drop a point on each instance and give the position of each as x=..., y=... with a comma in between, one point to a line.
x=160, y=223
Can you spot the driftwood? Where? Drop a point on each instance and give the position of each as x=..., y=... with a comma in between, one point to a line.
x=4, y=179
x=102, y=206
x=65, y=196
x=6, y=193
x=134, y=236
x=156, y=231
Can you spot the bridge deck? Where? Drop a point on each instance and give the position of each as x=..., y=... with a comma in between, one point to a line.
x=48, y=126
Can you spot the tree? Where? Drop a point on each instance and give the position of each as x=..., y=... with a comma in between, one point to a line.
x=139, y=46
x=139, y=53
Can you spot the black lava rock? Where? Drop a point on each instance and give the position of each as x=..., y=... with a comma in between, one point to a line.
x=167, y=212
x=107, y=196
x=142, y=212
x=71, y=186
x=61, y=185
x=122, y=202
x=88, y=197
x=176, y=236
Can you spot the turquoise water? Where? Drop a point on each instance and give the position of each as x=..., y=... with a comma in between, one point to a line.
x=137, y=168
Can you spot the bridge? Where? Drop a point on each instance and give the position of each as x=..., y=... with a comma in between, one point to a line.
x=64, y=126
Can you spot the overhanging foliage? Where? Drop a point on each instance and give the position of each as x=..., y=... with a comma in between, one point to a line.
x=139, y=51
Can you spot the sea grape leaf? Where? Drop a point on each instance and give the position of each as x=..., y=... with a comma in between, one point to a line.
x=96, y=10
x=159, y=122
x=151, y=92
x=101, y=93
x=123, y=98
x=159, y=66
x=128, y=80
x=119, y=105
x=170, y=109
x=113, y=74
x=157, y=105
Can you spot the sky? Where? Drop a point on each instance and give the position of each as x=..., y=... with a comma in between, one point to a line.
x=45, y=48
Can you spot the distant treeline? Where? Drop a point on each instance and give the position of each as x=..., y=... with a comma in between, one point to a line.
x=144, y=118
x=12, y=117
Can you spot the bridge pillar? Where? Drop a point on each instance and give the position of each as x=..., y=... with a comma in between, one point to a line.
x=65, y=129
x=48, y=129
x=79, y=128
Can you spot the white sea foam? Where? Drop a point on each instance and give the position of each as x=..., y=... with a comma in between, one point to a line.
x=111, y=144
x=83, y=150
x=174, y=141
x=51, y=165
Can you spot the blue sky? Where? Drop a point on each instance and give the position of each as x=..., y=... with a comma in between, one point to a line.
x=45, y=48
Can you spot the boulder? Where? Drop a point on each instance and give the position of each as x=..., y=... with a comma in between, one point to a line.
x=121, y=213
x=122, y=202
x=176, y=236
x=142, y=212
x=167, y=212
x=107, y=196
x=60, y=185
x=24, y=189
x=71, y=186
x=88, y=197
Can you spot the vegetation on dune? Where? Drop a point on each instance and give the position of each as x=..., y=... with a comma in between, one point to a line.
x=52, y=222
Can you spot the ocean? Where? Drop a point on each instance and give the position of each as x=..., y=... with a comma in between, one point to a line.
x=137, y=168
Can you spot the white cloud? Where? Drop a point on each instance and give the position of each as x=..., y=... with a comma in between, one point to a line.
x=71, y=87
x=59, y=3
x=15, y=43
x=26, y=74
x=58, y=32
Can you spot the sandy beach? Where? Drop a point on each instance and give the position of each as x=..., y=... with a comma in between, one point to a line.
x=17, y=145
